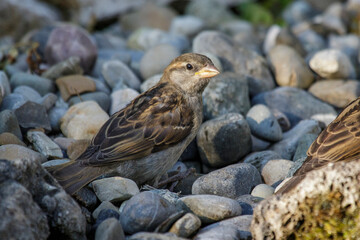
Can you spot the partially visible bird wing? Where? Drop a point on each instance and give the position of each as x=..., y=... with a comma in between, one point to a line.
x=154, y=121
x=339, y=141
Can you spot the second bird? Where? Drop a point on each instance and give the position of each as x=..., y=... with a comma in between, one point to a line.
x=145, y=139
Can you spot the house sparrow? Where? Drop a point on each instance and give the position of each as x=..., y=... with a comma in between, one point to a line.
x=339, y=141
x=145, y=139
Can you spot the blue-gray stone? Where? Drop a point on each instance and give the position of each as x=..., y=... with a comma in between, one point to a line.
x=28, y=93
x=55, y=114
x=33, y=115
x=12, y=101
x=4, y=84
x=9, y=123
x=100, y=97
x=42, y=85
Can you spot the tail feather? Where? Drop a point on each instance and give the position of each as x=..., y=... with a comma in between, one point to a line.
x=73, y=176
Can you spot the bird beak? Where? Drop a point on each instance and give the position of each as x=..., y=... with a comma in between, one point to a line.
x=208, y=72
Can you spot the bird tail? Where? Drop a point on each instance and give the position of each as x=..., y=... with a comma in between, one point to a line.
x=73, y=176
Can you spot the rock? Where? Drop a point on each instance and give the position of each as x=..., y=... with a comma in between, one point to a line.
x=186, y=226
x=115, y=189
x=211, y=12
x=86, y=198
x=64, y=142
x=150, y=82
x=55, y=114
x=262, y=190
x=232, y=228
x=250, y=200
x=12, y=101
x=289, y=67
x=146, y=38
x=263, y=123
x=329, y=23
x=115, y=71
x=300, y=212
x=295, y=103
x=106, y=214
x=32, y=115
x=332, y=64
x=259, y=159
x=63, y=213
x=101, y=98
x=156, y=59
x=44, y=144
x=75, y=149
x=238, y=59
x=48, y=101
x=348, y=44
x=224, y=140
x=149, y=15
x=110, y=229
x=121, y=98
x=83, y=120
x=12, y=152
x=298, y=11
x=154, y=236
x=311, y=40
x=186, y=25
x=336, y=92
x=40, y=84
x=226, y=93
x=9, y=123
x=287, y=147
x=258, y=144
x=144, y=212
x=9, y=138
x=109, y=40
x=270, y=38
x=211, y=208
x=231, y=181
x=70, y=66
x=4, y=84
x=276, y=170
x=288, y=38
x=27, y=15
x=67, y=41
x=73, y=85
x=56, y=162
x=303, y=145
x=104, y=205
x=21, y=217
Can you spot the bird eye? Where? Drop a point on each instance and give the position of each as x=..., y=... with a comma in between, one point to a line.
x=189, y=66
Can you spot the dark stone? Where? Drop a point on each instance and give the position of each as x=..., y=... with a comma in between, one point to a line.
x=33, y=115
x=9, y=123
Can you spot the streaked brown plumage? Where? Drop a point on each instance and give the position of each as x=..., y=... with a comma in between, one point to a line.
x=339, y=141
x=143, y=140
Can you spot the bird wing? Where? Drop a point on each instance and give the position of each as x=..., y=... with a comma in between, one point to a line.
x=339, y=141
x=154, y=121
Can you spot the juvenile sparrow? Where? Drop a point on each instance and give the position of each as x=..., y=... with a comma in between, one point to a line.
x=339, y=141
x=145, y=139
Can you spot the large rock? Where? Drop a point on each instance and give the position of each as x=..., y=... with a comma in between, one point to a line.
x=226, y=93
x=83, y=120
x=33, y=115
x=295, y=103
x=324, y=204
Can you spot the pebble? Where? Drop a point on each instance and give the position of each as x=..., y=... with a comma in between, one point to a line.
x=332, y=64
x=28, y=93
x=110, y=229
x=224, y=140
x=101, y=98
x=9, y=123
x=12, y=101
x=115, y=189
x=64, y=142
x=186, y=226
x=263, y=191
x=33, y=115
x=311, y=40
x=106, y=214
x=55, y=114
x=150, y=82
x=48, y=101
x=115, y=71
x=76, y=148
x=226, y=93
x=258, y=144
x=289, y=67
x=73, y=85
x=211, y=208
x=44, y=145
x=70, y=66
x=40, y=84
x=276, y=170
x=298, y=11
x=101, y=86
x=144, y=212
x=156, y=59
x=249, y=199
x=86, y=198
x=231, y=181
x=154, y=236
x=303, y=145
x=103, y=205
x=348, y=44
x=187, y=25
x=55, y=162
x=336, y=92
x=4, y=84
x=121, y=98
x=9, y=138
x=83, y=120
x=259, y=159
x=12, y=152
x=67, y=41
x=295, y=103
x=287, y=147
x=263, y=123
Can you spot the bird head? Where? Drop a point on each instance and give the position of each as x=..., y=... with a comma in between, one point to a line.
x=191, y=72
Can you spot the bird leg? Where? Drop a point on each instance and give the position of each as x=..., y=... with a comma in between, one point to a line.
x=174, y=180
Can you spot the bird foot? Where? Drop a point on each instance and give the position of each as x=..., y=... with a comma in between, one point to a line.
x=174, y=179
